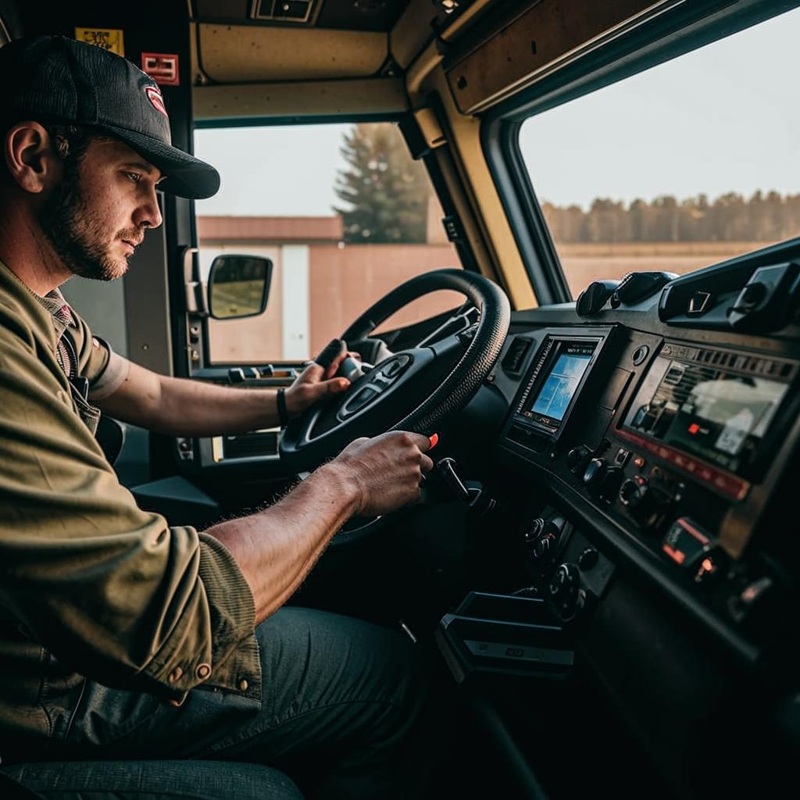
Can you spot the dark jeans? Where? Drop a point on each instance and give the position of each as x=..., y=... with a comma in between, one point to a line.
x=343, y=714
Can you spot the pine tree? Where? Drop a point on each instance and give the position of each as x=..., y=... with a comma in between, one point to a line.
x=384, y=189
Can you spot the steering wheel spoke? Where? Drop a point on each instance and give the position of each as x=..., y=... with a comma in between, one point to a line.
x=386, y=383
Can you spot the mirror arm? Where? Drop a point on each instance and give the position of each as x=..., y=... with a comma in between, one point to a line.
x=196, y=289
x=197, y=298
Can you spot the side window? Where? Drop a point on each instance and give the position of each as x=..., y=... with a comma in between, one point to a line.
x=344, y=213
x=687, y=164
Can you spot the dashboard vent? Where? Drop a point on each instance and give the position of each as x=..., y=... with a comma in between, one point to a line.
x=515, y=356
x=522, y=434
x=251, y=445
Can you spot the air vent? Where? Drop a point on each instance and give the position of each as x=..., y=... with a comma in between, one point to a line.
x=515, y=356
x=524, y=435
x=251, y=445
x=298, y=11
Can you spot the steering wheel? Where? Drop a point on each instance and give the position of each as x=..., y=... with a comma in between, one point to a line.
x=418, y=388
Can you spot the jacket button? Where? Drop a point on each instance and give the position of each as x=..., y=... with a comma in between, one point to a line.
x=243, y=684
x=175, y=675
x=203, y=671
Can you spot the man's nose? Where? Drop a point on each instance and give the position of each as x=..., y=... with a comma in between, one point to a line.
x=149, y=213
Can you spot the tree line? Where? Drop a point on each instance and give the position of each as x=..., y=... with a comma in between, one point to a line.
x=730, y=217
x=384, y=198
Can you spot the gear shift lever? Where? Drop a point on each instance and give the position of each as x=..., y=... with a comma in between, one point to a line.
x=446, y=470
x=475, y=496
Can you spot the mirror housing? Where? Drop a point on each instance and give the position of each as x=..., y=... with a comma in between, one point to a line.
x=238, y=286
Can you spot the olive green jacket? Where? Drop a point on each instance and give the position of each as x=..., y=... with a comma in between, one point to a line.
x=90, y=584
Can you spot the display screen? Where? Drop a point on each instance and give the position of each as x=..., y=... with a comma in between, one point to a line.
x=553, y=389
x=716, y=415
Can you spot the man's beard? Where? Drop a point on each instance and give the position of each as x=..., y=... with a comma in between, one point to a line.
x=76, y=234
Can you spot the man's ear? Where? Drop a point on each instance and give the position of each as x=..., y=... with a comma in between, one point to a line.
x=30, y=157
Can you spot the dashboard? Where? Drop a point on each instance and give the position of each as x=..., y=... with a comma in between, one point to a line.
x=676, y=439
x=658, y=430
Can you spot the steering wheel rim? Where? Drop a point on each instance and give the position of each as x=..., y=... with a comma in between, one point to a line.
x=303, y=448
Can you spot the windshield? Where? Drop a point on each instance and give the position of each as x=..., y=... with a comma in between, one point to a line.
x=684, y=165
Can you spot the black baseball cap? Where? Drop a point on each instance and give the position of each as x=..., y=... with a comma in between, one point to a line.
x=56, y=79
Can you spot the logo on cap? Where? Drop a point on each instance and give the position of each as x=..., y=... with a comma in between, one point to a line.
x=156, y=100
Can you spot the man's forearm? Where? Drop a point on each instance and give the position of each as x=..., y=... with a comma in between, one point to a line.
x=195, y=408
x=183, y=407
x=277, y=547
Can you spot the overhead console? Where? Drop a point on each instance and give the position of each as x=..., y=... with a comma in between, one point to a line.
x=532, y=40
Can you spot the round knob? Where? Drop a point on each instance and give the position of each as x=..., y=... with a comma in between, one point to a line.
x=541, y=538
x=631, y=492
x=534, y=531
x=577, y=458
x=644, y=505
x=543, y=545
x=609, y=485
x=564, y=593
x=588, y=558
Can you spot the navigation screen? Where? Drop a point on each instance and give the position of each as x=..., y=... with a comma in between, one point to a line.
x=559, y=388
x=555, y=388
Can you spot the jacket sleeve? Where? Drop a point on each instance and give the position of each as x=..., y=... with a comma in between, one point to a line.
x=108, y=588
x=104, y=368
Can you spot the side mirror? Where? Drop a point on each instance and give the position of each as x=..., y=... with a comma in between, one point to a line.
x=238, y=286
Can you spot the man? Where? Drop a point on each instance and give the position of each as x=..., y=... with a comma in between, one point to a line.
x=122, y=637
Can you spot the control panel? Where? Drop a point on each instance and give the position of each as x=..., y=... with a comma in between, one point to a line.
x=668, y=445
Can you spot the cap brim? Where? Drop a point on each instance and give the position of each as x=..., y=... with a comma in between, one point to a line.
x=184, y=175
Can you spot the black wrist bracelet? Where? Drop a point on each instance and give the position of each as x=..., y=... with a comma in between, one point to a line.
x=283, y=413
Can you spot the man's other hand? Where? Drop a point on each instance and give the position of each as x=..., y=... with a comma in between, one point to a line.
x=318, y=379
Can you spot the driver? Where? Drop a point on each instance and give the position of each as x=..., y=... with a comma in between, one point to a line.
x=122, y=637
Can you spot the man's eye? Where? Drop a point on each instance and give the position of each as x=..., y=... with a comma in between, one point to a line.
x=133, y=177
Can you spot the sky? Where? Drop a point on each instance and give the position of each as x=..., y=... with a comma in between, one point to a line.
x=272, y=172
x=724, y=118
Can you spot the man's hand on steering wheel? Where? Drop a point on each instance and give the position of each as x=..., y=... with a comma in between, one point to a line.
x=319, y=380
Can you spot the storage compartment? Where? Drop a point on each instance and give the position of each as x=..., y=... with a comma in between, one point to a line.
x=504, y=634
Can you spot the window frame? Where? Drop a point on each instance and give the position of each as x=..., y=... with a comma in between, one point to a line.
x=680, y=30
